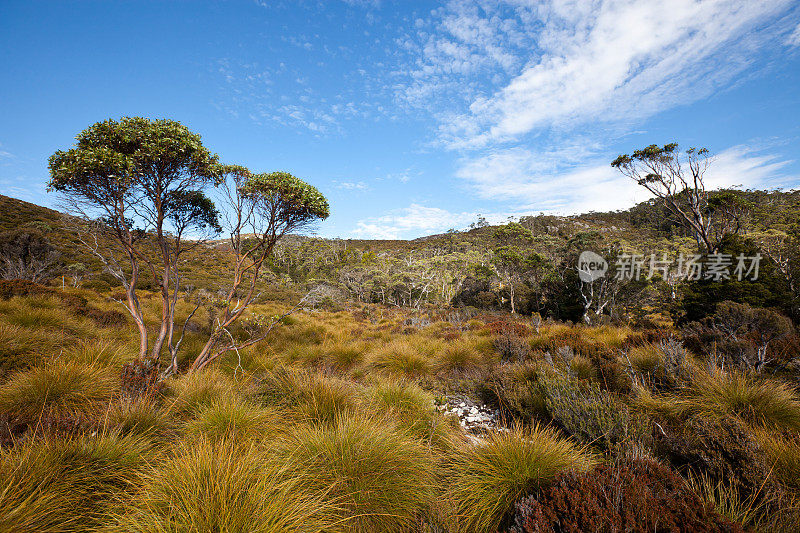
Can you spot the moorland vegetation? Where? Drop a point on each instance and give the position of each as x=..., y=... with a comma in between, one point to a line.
x=158, y=377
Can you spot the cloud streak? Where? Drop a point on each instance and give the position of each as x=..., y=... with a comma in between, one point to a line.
x=561, y=63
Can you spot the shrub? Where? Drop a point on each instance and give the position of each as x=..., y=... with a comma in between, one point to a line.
x=511, y=346
x=379, y=477
x=60, y=395
x=225, y=488
x=591, y=415
x=486, y=480
x=633, y=495
x=63, y=485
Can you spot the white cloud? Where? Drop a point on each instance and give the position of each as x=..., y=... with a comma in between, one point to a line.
x=411, y=221
x=559, y=63
x=351, y=186
x=794, y=37
x=537, y=183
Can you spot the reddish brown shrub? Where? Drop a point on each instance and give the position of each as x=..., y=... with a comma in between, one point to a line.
x=106, y=318
x=631, y=496
x=644, y=337
x=723, y=449
x=140, y=378
x=21, y=287
x=505, y=327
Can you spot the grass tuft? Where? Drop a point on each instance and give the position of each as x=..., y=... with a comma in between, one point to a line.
x=221, y=487
x=487, y=479
x=65, y=485
x=380, y=477
x=61, y=392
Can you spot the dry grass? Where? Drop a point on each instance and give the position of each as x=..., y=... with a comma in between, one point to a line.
x=758, y=402
x=401, y=357
x=65, y=485
x=380, y=477
x=61, y=391
x=234, y=420
x=486, y=480
x=220, y=487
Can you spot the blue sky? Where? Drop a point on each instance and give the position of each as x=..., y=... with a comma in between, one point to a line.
x=413, y=117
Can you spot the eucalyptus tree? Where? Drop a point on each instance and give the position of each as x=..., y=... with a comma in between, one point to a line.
x=678, y=180
x=130, y=180
x=509, y=259
x=260, y=209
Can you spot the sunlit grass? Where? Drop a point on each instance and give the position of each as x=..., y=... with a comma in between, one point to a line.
x=61, y=391
x=206, y=486
x=64, y=485
x=380, y=477
x=486, y=480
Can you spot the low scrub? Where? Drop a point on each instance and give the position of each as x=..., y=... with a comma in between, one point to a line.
x=591, y=415
x=633, y=495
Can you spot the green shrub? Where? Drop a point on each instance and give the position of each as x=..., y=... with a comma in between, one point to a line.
x=591, y=415
x=486, y=480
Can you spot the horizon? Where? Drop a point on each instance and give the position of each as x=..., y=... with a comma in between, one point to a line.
x=415, y=117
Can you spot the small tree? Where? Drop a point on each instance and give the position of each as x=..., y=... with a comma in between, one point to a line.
x=509, y=259
x=27, y=254
x=261, y=209
x=129, y=180
x=678, y=180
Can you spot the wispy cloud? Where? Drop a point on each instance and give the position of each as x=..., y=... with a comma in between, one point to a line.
x=351, y=185
x=794, y=37
x=535, y=184
x=561, y=63
x=411, y=221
